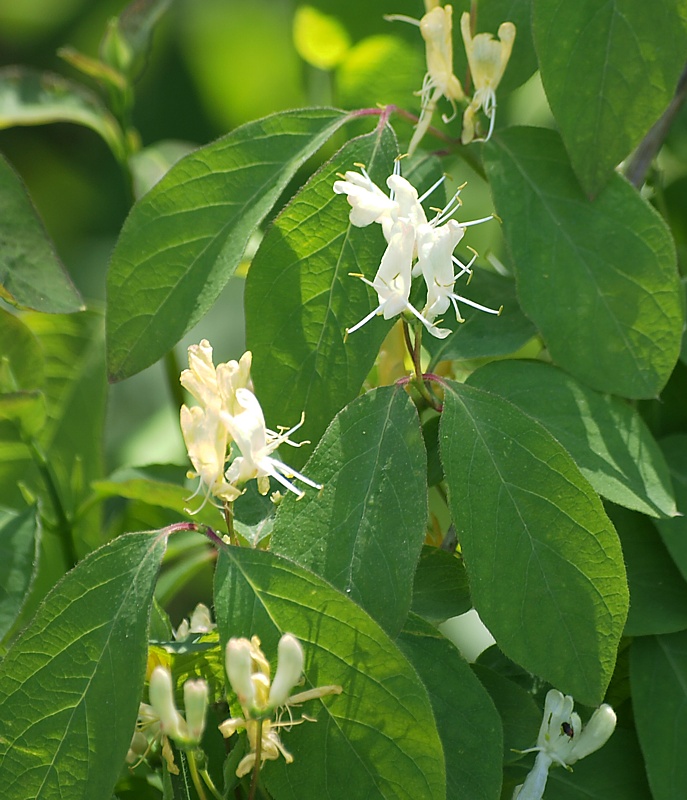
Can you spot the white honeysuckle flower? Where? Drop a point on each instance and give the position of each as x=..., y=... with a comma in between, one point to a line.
x=436, y=27
x=393, y=281
x=487, y=59
x=201, y=622
x=249, y=675
x=563, y=740
x=256, y=444
x=368, y=202
x=210, y=385
x=207, y=439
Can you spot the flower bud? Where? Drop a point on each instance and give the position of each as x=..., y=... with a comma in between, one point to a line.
x=195, y=705
x=239, y=669
x=289, y=670
x=161, y=693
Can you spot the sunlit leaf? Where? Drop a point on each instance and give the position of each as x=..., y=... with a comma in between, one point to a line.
x=31, y=274
x=606, y=437
x=544, y=562
x=70, y=685
x=23, y=353
x=183, y=240
x=300, y=298
x=378, y=738
x=363, y=532
x=609, y=70
x=598, y=278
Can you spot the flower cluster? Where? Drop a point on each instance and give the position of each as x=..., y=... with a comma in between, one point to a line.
x=230, y=414
x=410, y=237
x=563, y=740
x=487, y=60
x=160, y=720
x=262, y=701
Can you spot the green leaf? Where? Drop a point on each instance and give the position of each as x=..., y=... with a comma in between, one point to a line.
x=364, y=531
x=31, y=97
x=519, y=713
x=378, y=738
x=70, y=685
x=658, y=665
x=26, y=409
x=183, y=240
x=19, y=548
x=468, y=724
x=674, y=531
x=152, y=163
x=544, y=563
x=606, y=437
x=128, y=37
x=25, y=365
x=658, y=593
x=609, y=70
x=615, y=771
x=597, y=278
x=31, y=274
x=481, y=335
x=300, y=297
x=440, y=588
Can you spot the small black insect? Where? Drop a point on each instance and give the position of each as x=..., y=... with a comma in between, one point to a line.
x=567, y=729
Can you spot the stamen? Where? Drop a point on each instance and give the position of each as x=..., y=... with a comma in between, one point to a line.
x=431, y=189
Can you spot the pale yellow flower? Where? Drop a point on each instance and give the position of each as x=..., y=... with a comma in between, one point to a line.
x=487, y=59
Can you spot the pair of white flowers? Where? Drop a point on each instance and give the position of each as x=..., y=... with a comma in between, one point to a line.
x=487, y=59
x=262, y=700
x=563, y=740
x=230, y=414
x=410, y=237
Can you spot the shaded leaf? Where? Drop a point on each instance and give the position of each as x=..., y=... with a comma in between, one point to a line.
x=598, y=278
x=128, y=37
x=468, y=723
x=378, y=738
x=544, y=563
x=609, y=70
x=674, y=531
x=658, y=665
x=301, y=273
x=440, y=588
x=31, y=97
x=31, y=273
x=658, y=593
x=19, y=548
x=364, y=530
x=606, y=437
x=83, y=653
x=183, y=240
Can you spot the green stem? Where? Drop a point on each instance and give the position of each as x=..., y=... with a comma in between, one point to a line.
x=63, y=525
x=415, y=350
x=195, y=777
x=229, y=519
x=205, y=775
x=256, y=767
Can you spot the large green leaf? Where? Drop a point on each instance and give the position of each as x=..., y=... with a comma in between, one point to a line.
x=19, y=549
x=23, y=353
x=363, y=532
x=183, y=240
x=70, y=685
x=658, y=593
x=609, y=69
x=658, y=665
x=674, y=531
x=30, y=97
x=300, y=297
x=598, y=278
x=481, y=335
x=31, y=273
x=545, y=567
x=378, y=738
x=468, y=724
x=440, y=587
x=608, y=439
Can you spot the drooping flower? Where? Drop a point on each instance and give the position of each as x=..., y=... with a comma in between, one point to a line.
x=563, y=740
x=261, y=699
x=487, y=59
x=256, y=444
x=436, y=27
